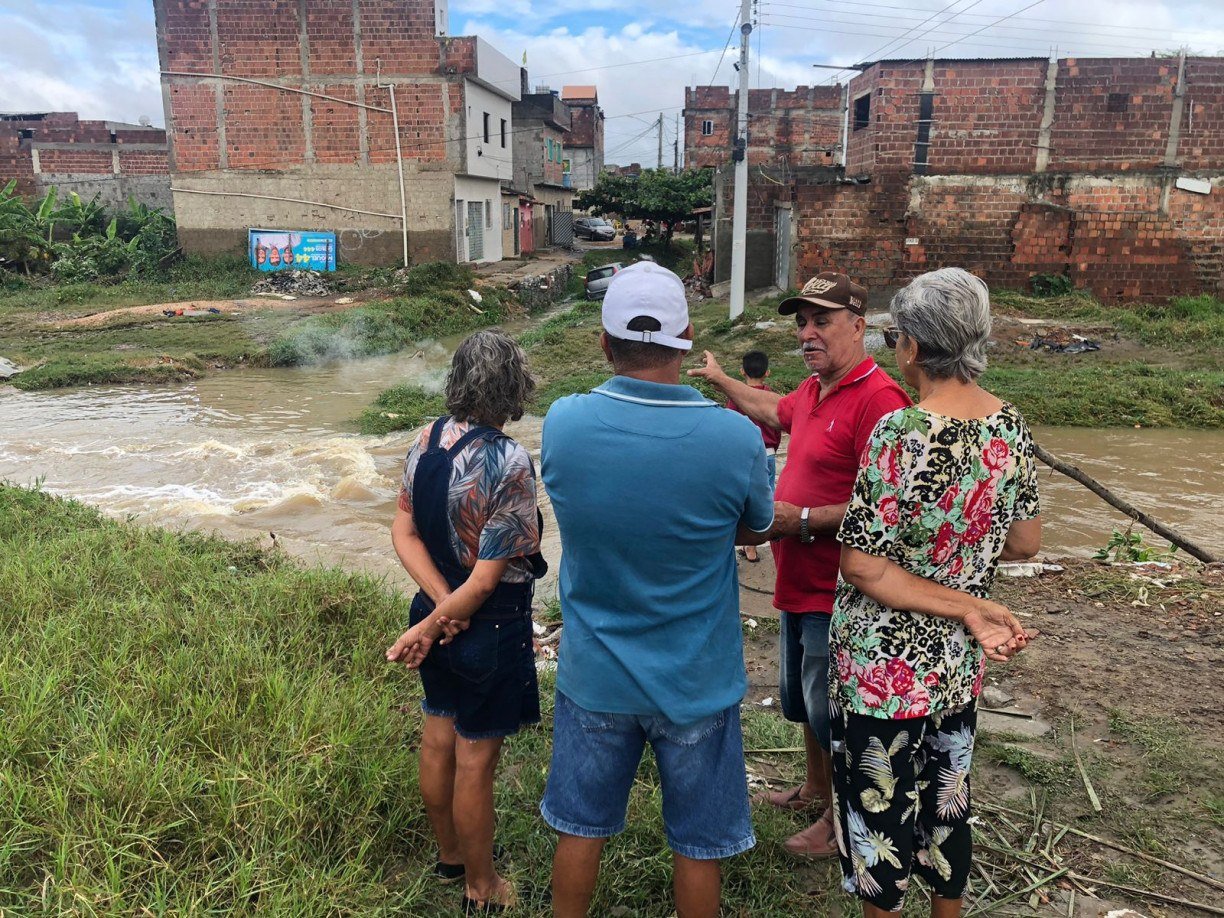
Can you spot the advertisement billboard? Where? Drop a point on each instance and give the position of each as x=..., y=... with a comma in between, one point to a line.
x=276, y=250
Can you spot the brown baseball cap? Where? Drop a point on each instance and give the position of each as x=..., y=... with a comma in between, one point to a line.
x=830, y=290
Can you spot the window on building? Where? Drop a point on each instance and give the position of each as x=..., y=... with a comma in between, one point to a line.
x=707, y=128
x=862, y=112
x=503, y=132
x=507, y=217
x=488, y=214
x=1117, y=102
x=486, y=127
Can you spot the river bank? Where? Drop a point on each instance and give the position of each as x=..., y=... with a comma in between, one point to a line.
x=200, y=725
x=210, y=315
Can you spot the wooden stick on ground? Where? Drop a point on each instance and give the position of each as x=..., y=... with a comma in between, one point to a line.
x=1074, y=473
x=1117, y=846
x=1018, y=893
x=1148, y=894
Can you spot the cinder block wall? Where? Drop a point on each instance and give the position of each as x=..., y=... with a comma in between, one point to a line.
x=799, y=127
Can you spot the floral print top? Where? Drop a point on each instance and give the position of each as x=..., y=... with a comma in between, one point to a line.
x=935, y=495
x=492, y=500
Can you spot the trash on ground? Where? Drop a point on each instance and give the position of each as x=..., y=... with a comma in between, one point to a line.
x=1060, y=341
x=1029, y=568
x=345, y=301
x=8, y=369
x=298, y=283
x=767, y=702
x=476, y=297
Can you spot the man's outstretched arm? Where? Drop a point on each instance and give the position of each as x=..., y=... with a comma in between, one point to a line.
x=759, y=404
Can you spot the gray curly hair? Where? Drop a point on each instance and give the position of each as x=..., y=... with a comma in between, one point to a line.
x=948, y=313
x=489, y=382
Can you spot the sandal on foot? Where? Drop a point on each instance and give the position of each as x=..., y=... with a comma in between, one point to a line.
x=787, y=799
x=452, y=873
x=816, y=841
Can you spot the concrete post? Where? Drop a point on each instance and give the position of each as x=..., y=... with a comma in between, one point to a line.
x=739, y=219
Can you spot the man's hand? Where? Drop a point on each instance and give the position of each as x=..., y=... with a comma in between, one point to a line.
x=414, y=644
x=997, y=630
x=451, y=628
x=712, y=372
x=786, y=520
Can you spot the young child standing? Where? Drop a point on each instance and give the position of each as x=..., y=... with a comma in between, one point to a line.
x=754, y=368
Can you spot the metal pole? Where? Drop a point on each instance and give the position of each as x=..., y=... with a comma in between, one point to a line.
x=739, y=218
x=660, y=163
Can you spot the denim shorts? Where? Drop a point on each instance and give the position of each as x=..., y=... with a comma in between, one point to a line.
x=771, y=465
x=701, y=765
x=803, y=672
x=486, y=677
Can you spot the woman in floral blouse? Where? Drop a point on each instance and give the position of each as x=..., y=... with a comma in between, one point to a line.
x=946, y=490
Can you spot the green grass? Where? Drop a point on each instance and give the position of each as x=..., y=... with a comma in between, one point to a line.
x=194, y=726
x=401, y=408
x=191, y=278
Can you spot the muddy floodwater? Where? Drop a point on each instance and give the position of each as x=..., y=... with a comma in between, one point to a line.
x=251, y=452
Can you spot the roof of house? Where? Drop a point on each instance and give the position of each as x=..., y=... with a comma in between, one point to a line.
x=579, y=92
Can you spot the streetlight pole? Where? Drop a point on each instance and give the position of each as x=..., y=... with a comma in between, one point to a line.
x=739, y=218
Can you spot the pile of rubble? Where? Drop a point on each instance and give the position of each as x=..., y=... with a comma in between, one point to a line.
x=292, y=283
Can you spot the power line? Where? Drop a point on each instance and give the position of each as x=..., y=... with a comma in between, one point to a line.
x=1119, y=41
x=913, y=9
x=734, y=25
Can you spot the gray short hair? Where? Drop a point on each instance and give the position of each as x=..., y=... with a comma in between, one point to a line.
x=489, y=382
x=948, y=313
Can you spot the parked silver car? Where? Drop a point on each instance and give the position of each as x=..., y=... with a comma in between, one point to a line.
x=597, y=229
x=597, y=280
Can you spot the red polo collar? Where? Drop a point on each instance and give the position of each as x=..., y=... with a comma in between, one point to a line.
x=858, y=374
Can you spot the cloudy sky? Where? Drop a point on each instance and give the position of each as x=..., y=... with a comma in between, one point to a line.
x=99, y=57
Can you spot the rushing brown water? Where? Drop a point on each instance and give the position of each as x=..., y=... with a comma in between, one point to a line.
x=249, y=452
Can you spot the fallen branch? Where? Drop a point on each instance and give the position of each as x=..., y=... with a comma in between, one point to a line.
x=1117, y=846
x=1148, y=894
x=1020, y=714
x=1126, y=507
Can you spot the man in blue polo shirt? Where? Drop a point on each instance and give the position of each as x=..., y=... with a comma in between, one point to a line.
x=653, y=486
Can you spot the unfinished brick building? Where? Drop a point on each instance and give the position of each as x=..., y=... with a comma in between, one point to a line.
x=799, y=127
x=1107, y=171
x=105, y=160
x=584, y=147
x=281, y=114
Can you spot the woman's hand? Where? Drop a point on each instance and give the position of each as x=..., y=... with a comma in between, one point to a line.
x=997, y=630
x=413, y=645
x=450, y=628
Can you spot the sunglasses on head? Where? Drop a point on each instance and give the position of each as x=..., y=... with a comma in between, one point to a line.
x=890, y=338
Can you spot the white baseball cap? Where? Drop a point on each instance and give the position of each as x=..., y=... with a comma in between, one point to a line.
x=647, y=289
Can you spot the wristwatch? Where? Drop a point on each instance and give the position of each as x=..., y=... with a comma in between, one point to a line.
x=805, y=534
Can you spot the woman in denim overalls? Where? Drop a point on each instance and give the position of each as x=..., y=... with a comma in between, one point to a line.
x=468, y=532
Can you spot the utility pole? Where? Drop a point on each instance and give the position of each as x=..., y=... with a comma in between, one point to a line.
x=739, y=219
x=676, y=149
x=660, y=163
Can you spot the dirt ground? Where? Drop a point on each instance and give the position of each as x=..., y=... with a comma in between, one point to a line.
x=304, y=305
x=1129, y=655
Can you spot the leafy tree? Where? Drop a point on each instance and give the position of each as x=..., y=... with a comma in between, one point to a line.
x=656, y=194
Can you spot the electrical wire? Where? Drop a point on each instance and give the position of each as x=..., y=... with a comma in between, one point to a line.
x=913, y=9
x=734, y=25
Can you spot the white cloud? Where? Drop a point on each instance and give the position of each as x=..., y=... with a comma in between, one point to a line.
x=100, y=57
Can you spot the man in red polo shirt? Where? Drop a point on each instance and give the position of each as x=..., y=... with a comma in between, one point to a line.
x=829, y=418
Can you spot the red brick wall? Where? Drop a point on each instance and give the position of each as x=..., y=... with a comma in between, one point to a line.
x=800, y=127
x=1109, y=235
x=143, y=162
x=15, y=162
x=264, y=127
x=1112, y=114
x=582, y=124
x=1202, y=126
